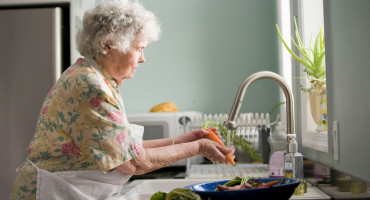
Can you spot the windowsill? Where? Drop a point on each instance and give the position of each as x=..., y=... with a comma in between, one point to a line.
x=316, y=140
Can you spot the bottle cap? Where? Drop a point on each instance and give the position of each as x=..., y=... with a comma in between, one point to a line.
x=293, y=146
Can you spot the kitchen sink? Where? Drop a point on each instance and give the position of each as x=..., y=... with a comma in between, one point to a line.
x=144, y=189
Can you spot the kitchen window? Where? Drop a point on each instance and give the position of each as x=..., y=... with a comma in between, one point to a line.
x=310, y=18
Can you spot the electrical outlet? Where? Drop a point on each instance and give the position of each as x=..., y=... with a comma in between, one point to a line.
x=336, y=140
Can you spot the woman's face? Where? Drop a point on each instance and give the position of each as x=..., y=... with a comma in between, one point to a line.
x=123, y=65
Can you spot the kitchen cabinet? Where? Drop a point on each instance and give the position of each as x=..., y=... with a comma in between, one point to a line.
x=347, y=28
x=348, y=70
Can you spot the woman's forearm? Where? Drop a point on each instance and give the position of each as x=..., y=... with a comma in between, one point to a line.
x=184, y=138
x=157, y=143
x=154, y=158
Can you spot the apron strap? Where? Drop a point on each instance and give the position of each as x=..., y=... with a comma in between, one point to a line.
x=33, y=164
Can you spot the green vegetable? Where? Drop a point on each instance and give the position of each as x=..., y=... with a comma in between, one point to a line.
x=238, y=141
x=182, y=194
x=176, y=194
x=158, y=196
x=254, y=183
x=282, y=181
x=235, y=181
x=244, y=180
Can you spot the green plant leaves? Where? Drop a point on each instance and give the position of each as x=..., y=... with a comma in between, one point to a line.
x=312, y=59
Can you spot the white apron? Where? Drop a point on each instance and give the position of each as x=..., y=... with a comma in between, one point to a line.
x=82, y=184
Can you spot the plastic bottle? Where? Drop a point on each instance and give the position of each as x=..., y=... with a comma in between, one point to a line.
x=278, y=144
x=294, y=164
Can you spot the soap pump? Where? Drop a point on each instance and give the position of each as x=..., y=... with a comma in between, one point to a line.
x=294, y=163
x=278, y=146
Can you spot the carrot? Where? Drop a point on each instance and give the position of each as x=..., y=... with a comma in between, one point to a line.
x=213, y=136
x=225, y=188
x=269, y=184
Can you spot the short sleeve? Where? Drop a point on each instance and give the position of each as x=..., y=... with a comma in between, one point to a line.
x=102, y=128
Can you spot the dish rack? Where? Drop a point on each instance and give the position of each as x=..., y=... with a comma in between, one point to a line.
x=249, y=126
x=253, y=127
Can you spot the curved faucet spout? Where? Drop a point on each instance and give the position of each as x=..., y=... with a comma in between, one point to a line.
x=231, y=124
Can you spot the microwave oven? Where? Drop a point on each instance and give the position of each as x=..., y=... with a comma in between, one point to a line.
x=159, y=125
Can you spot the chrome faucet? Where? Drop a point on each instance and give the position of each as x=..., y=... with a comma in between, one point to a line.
x=231, y=123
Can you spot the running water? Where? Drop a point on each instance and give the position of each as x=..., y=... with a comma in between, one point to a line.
x=217, y=167
x=227, y=170
x=228, y=139
x=224, y=171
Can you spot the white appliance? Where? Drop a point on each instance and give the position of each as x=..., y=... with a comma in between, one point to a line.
x=166, y=125
x=36, y=38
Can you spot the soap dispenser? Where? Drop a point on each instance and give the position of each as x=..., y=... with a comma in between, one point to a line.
x=278, y=145
x=294, y=164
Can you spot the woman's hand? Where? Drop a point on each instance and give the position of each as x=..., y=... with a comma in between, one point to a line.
x=214, y=151
x=154, y=158
x=193, y=135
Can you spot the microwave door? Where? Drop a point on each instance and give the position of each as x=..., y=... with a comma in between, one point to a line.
x=155, y=130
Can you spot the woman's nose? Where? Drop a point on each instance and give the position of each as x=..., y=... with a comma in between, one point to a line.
x=142, y=58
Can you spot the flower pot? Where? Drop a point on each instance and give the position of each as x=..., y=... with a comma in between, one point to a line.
x=315, y=102
x=318, y=109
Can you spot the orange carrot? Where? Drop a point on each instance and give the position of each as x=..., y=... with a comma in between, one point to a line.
x=213, y=136
x=269, y=184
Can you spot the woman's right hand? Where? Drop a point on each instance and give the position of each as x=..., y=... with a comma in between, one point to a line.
x=214, y=151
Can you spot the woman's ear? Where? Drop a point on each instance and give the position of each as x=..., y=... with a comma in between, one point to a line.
x=107, y=48
x=107, y=45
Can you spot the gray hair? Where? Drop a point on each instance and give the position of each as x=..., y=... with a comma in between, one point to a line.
x=116, y=24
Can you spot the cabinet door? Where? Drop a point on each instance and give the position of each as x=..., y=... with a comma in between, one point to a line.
x=30, y=64
x=347, y=25
x=347, y=28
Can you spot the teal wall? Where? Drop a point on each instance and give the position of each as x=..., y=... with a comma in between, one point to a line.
x=206, y=50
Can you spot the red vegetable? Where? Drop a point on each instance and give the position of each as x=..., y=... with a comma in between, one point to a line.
x=246, y=186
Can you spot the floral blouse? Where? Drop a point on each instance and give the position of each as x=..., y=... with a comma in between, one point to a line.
x=82, y=126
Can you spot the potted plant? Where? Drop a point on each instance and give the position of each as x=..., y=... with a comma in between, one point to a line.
x=313, y=60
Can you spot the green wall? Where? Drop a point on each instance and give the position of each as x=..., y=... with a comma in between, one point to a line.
x=206, y=50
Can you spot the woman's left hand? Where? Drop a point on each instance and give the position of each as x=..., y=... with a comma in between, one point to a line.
x=194, y=135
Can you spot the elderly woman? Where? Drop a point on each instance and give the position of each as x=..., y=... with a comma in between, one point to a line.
x=83, y=146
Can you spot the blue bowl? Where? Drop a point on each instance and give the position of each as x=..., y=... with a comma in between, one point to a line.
x=282, y=191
